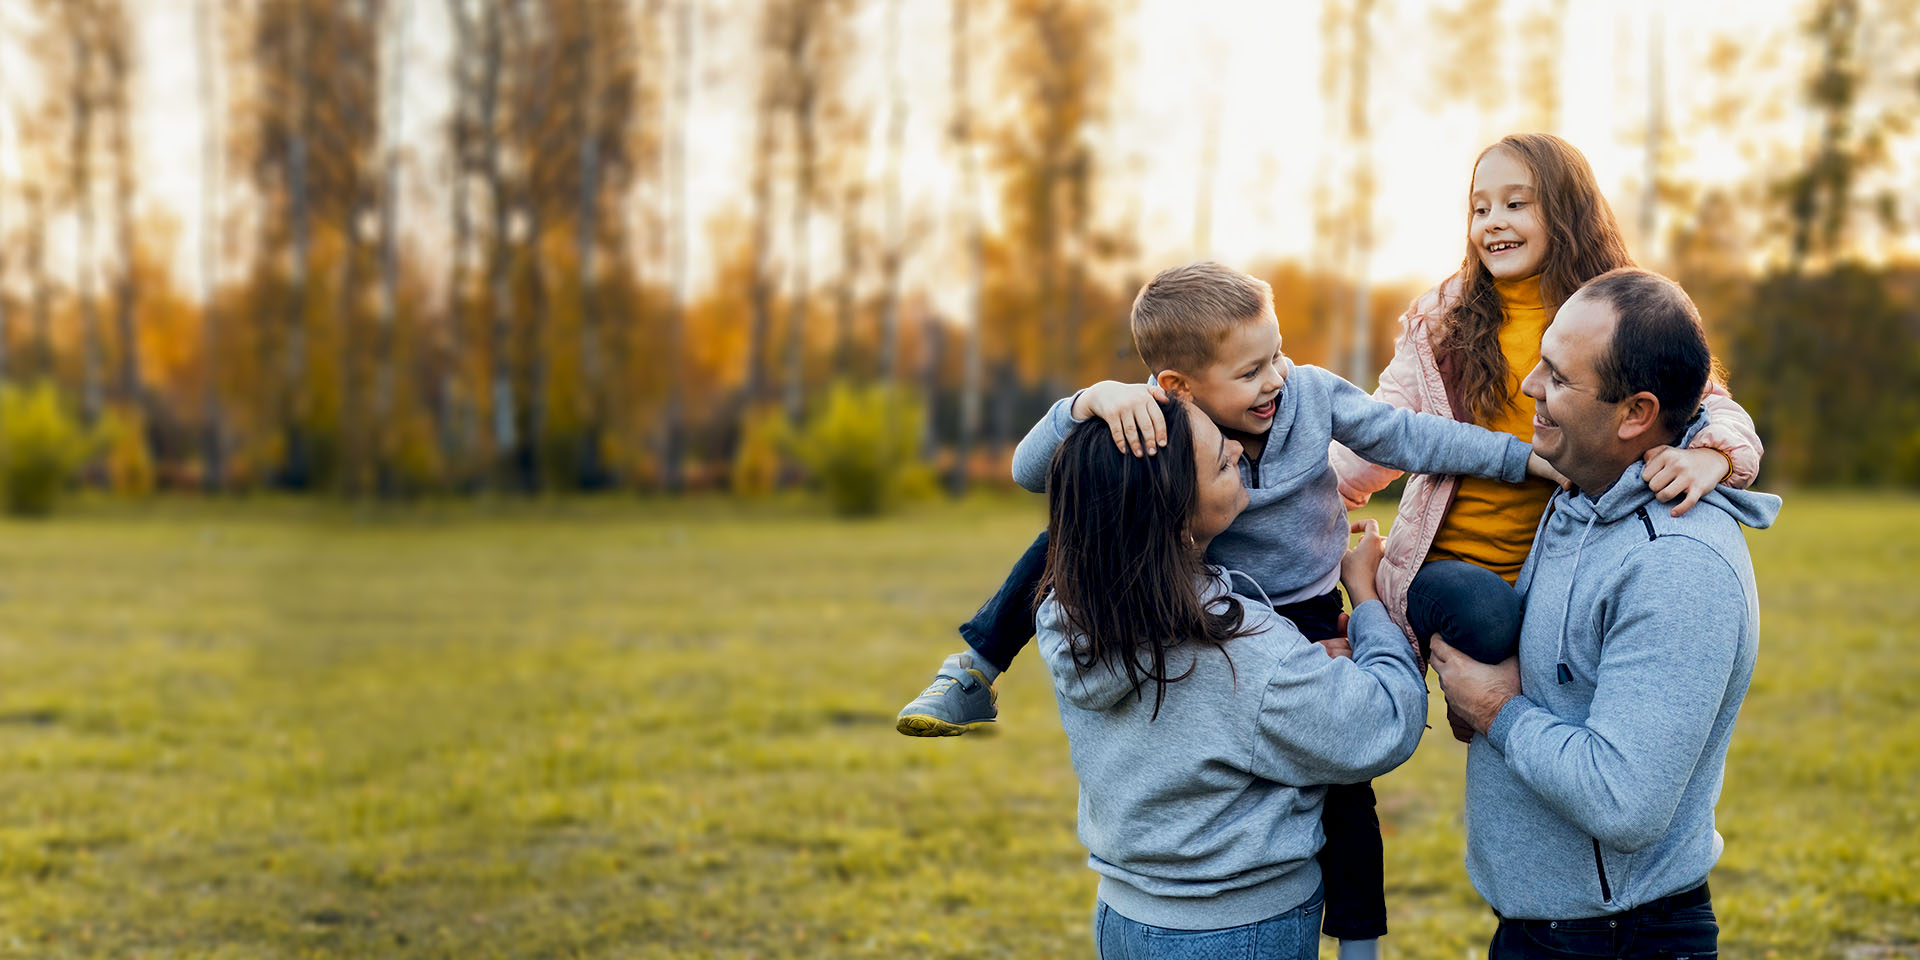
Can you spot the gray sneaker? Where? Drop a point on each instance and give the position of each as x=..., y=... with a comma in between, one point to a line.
x=958, y=698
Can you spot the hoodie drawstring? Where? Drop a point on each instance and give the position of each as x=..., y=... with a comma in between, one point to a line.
x=1562, y=672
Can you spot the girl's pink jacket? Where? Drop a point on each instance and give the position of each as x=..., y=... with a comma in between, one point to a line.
x=1419, y=378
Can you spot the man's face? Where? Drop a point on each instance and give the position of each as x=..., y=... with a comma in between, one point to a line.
x=1240, y=389
x=1573, y=428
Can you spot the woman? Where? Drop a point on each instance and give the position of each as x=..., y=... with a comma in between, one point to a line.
x=1202, y=726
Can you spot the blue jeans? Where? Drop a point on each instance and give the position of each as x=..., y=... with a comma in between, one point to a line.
x=1470, y=607
x=1680, y=927
x=1292, y=935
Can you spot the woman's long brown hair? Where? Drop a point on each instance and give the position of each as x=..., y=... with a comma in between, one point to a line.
x=1583, y=242
x=1119, y=560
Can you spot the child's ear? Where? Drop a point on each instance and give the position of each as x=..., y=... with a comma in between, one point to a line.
x=1174, y=383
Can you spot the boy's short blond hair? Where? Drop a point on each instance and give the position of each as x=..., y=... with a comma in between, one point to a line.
x=1183, y=313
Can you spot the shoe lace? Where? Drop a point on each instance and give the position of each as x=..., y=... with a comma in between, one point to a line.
x=939, y=686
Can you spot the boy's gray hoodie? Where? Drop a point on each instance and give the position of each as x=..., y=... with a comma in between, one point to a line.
x=1209, y=815
x=1596, y=795
x=1294, y=530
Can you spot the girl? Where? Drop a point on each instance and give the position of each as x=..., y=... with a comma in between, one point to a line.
x=1537, y=230
x=1201, y=725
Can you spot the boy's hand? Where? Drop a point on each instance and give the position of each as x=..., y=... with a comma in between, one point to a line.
x=1337, y=647
x=1131, y=410
x=1688, y=474
x=1538, y=466
x=1362, y=563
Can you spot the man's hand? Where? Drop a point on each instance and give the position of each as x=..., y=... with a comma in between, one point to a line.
x=1475, y=690
x=1689, y=474
x=1132, y=412
x=1538, y=466
x=1361, y=565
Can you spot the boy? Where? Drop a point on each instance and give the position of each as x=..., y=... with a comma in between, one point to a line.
x=1210, y=336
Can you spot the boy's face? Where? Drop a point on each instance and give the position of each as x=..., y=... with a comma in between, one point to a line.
x=1240, y=389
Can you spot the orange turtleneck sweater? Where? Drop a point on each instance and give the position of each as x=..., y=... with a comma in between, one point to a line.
x=1491, y=524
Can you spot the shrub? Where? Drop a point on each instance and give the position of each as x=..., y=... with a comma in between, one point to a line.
x=861, y=448
x=41, y=447
x=756, y=466
x=122, y=440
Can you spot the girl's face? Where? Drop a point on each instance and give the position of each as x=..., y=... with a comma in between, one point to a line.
x=1221, y=496
x=1505, y=226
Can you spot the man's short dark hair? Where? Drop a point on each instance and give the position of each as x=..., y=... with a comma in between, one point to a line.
x=1658, y=344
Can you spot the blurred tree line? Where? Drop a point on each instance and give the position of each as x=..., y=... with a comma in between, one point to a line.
x=551, y=334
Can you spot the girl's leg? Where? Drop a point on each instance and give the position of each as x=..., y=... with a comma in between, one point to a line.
x=1472, y=608
x=1350, y=864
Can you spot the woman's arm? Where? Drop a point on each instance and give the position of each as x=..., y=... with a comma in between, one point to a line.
x=1333, y=720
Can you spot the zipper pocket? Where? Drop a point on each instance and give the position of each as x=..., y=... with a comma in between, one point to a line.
x=1600, y=866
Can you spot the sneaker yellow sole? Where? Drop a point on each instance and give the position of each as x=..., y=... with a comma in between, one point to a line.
x=921, y=725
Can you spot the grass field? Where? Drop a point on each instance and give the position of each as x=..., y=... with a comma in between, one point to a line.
x=649, y=730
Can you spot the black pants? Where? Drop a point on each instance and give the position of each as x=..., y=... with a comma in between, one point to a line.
x=1679, y=927
x=1350, y=860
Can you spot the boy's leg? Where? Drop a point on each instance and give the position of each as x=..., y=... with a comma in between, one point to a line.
x=1350, y=864
x=1004, y=624
x=1473, y=608
x=962, y=693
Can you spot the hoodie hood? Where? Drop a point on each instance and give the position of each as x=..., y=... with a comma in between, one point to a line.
x=1102, y=685
x=1630, y=493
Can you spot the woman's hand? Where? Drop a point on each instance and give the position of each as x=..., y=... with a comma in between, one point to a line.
x=1132, y=412
x=1689, y=474
x=1362, y=563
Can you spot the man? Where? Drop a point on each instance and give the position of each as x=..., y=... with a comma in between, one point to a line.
x=1598, y=756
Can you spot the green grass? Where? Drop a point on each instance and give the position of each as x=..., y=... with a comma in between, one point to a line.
x=623, y=729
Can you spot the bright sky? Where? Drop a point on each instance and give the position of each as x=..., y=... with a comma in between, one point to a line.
x=1254, y=61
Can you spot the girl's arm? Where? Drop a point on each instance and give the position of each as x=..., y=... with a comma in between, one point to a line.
x=1730, y=430
x=1400, y=386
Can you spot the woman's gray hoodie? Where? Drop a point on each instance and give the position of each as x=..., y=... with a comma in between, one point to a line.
x=1209, y=815
x=1595, y=795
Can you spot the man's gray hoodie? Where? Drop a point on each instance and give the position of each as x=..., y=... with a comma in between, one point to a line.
x=1595, y=795
x=1209, y=815
x=1293, y=532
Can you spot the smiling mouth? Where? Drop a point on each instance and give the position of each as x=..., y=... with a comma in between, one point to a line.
x=1503, y=246
x=1266, y=410
x=1540, y=420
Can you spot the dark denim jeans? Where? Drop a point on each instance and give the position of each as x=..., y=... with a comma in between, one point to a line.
x=1351, y=858
x=1680, y=927
x=1292, y=935
x=1471, y=607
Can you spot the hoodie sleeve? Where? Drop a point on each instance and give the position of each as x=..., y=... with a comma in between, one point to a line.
x=1730, y=430
x=1419, y=442
x=1334, y=720
x=1035, y=453
x=1669, y=645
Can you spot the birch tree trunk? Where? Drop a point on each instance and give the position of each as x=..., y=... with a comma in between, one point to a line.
x=393, y=77
x=971, y=370
x=212, y=415
x=673, y=466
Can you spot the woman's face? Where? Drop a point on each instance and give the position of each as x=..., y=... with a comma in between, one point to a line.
x=1221, y=496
